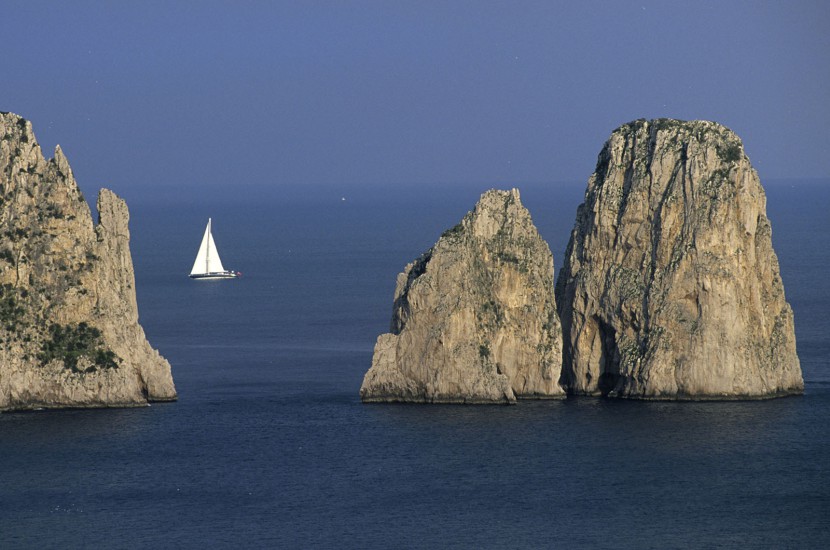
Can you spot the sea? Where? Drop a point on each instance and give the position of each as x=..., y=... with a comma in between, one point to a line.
x=269, y=445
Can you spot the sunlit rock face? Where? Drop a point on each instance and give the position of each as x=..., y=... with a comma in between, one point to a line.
x=670, y=288
x=69, y=332
x=474, y=318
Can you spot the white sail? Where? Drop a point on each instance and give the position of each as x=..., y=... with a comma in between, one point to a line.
x=207, y=259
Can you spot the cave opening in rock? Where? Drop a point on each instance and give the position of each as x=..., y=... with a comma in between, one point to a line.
x=609, y=360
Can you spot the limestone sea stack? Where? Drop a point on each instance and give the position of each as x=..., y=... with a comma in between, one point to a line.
x=474, y=318
x=69, y=332
x=670, y=288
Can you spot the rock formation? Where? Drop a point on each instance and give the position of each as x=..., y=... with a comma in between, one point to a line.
x=474, y=318
x=69, y=332
x=670, y=288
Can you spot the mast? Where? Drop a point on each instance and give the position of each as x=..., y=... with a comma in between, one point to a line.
x=207, y=254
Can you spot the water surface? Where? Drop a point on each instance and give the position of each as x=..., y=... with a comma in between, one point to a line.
x=269, y=445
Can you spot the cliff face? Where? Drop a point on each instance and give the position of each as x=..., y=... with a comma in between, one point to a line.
x=474, y=318
x=670, y=287
x=69, y=332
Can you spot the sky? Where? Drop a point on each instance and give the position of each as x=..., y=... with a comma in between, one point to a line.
x=298, y=94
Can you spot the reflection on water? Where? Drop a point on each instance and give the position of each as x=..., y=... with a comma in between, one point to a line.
x=66, y=427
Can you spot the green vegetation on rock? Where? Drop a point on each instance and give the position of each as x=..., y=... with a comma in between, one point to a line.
x=10, y=310
x=71, y=342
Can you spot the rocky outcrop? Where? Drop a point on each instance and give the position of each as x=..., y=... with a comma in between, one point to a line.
x=670, y=288
x=69, y=332
x=474, y=318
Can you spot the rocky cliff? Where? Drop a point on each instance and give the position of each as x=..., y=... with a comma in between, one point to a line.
x=69, y=332
x=474, y=318
x=670, y=287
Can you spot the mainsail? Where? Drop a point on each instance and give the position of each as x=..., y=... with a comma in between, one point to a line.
x=207, y=260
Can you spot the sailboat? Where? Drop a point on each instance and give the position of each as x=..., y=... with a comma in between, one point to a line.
x=208, y=265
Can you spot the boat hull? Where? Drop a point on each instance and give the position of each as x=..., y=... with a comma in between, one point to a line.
x=218, y=275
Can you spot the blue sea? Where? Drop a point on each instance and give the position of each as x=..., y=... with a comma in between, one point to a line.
x=270, y=447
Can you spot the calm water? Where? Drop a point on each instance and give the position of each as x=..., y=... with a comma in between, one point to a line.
x=269, y=445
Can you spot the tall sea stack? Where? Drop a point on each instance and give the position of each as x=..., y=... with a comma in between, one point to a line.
x=69, y=332
x=474, y=318
x=670, y=288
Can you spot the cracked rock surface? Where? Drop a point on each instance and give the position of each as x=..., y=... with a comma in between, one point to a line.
x=670, y=288
x=69, y=332
x=474, y=318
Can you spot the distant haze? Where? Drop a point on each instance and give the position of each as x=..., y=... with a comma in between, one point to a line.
x=298, y=94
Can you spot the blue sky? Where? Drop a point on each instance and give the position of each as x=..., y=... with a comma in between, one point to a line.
x=301, y=93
